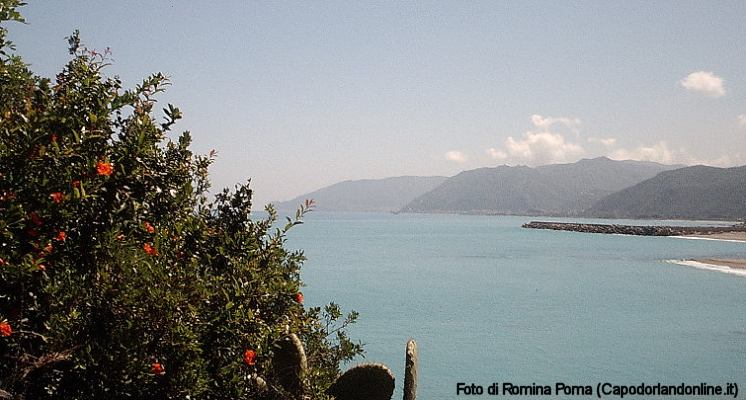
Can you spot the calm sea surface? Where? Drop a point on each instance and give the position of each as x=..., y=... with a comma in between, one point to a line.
x=488, y=301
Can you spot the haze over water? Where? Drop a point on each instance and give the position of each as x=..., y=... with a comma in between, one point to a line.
x=488, y=301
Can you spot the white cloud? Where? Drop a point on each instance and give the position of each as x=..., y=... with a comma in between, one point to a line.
x=542, y=148
x=722, y=161
x=496, y=154
x=542, y=144
x=725, y=160
x=658, y=152
x=456, y=156
x=706, y=83
x=608, y=142
x=545, y=123
x=742, y=120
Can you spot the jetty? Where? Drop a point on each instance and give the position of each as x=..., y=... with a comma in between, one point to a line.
x=640, y=230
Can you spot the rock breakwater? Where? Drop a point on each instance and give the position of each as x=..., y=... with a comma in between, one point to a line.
x=640, y=230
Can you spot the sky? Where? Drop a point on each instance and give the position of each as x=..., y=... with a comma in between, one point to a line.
x=300, y=95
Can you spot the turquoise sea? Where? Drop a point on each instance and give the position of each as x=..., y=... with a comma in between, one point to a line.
x=488, y=301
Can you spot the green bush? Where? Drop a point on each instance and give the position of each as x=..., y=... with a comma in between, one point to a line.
x=119, y=277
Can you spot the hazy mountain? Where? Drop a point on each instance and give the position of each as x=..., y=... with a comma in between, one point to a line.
x=500, y=190
x=593, y=179
x=388, y=194
x=697, y=192
x=557, y=189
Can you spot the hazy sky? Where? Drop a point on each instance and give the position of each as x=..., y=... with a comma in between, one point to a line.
x=298, y=95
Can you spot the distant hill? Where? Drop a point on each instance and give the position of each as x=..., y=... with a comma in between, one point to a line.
x=697, y=192
x=592, y=179
x=557, y=189
x=382, y=195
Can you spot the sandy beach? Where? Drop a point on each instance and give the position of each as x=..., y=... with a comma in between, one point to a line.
x=735, y=266
x=724, y=262
x=728, y=266
x=734, y=236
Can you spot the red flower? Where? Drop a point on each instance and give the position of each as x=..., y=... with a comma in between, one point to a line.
x=54, y=138
x=104, y=168
x=299, y=297
x=148, y=227
x=57, y=197
x=41, y=267
x=149, y=249
x=61, y=236
x=2, y=262
x=157, y=369
x=35, y=219
x=5, y=329
x=75, y=183
x=249, y=357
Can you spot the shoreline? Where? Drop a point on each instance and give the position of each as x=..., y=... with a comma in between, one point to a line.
x=732, y=263
x=734, y=233
x=733, y=266
x=724, y=236
x=737, y=267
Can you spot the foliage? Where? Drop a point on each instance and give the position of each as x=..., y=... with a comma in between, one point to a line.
x=119, y=277
x=329, y=346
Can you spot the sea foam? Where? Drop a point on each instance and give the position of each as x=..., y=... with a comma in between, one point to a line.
x=710, y=267
x=705, y=238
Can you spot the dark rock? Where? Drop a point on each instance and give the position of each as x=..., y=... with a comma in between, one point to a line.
x=639, y=230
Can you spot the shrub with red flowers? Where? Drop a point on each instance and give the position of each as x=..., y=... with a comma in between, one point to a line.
x=104, y=168
x=249, y=357
x=115, y=263
x=157, y=369
x=5, y=329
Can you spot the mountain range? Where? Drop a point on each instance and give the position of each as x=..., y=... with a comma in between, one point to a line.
x=556, y=189
x=697, y=192
x=367, y=195
x=598, y=187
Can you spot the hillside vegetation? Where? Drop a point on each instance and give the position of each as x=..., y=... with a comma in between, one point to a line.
x=119, y=277
x=380, y=195
x=697, y=192
x=557, y=189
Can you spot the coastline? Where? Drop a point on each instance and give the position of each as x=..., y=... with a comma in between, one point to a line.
x=733, y=266
x=733, y=233
x=720, y=265
x=724, y=236
x=724, y=262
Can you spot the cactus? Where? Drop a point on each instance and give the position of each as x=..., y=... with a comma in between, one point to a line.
x=289, y=364
x=364, y=382
x=410, y=371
